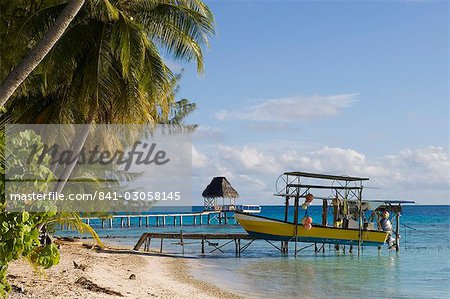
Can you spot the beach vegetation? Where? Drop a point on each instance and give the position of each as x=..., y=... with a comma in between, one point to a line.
x=108, y=67
x=20, y=232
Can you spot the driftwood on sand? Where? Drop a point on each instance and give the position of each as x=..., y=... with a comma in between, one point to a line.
x=91, y=286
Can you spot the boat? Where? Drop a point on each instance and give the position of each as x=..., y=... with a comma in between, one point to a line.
x=355, y=221
x=250, y=209
x=260, y=227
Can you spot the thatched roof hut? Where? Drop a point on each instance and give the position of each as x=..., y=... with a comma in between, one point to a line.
x=219, y=187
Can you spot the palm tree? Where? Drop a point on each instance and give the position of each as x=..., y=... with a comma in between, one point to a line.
x=179, y=110
x=107, y=67
x=39, y=51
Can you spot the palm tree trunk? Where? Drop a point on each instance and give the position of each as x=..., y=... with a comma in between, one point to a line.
x=76, y=147
x=35, y=56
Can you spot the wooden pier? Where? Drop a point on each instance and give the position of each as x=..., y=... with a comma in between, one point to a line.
x=241, y=242
x=209, y=239
x=180, y=219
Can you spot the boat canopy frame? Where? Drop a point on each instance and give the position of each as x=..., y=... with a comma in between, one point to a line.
x=291, y=184
x=325, y=176
x=347, y=188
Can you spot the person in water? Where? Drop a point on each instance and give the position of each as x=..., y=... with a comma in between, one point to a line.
x=386, y=226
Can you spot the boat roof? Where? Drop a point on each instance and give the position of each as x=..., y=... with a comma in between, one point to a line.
x=325, y=176
x=387, y=201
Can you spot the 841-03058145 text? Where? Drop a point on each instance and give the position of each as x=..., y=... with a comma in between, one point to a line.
x=98, y=195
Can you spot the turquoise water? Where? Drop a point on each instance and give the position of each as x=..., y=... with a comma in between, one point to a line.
x=420, y=270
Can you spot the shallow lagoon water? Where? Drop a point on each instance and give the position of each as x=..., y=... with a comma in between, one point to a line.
x=406, y=274
x=420, y=270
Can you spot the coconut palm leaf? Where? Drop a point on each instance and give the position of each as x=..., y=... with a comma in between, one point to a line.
x=74, y=221
x=107, y=66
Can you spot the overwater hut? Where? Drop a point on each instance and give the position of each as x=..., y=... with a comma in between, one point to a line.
x=219, y=187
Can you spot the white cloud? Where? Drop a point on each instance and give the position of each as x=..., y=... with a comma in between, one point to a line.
x=199, y=160
x=421, y=174
x=426, y=167
x=299, y=108
x=252, y=181
x=271, y=127
x=207, y=133
x=248, y=159
x=326, y=159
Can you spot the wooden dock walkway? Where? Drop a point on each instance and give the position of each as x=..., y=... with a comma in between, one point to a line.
x=211, y=240
x=206, y=238
x=179, y=219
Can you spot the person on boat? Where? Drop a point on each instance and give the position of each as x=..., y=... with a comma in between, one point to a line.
x=308, y=200
x=353, y=221
x=386, y=226
x=337, y=220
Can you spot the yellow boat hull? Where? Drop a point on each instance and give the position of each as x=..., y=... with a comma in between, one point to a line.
x=271, y=229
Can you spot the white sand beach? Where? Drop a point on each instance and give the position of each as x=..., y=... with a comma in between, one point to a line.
x=110, y=273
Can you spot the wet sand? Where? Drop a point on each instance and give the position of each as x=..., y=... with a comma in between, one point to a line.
x=111, y=272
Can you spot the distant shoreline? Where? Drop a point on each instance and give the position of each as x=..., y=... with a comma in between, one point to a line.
x=112, y=272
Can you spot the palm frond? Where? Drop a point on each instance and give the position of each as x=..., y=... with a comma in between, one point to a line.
x=176, y=27
x=74, y=220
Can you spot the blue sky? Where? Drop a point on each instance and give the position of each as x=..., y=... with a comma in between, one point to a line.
x=336, y=87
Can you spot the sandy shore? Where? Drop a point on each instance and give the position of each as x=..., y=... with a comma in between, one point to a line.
x=110, y=273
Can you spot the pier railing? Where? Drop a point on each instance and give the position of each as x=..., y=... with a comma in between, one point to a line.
x=170, y=219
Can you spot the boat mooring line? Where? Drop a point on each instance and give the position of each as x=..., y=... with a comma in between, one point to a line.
x=423, y=232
